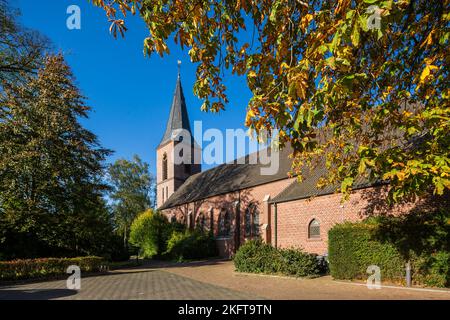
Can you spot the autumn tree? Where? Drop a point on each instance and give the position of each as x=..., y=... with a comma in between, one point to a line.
x=362, y=84
x=21, y=50
x=51, y=169
x=132, y=192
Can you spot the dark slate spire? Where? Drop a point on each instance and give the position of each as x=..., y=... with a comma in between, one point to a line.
x=178, y=117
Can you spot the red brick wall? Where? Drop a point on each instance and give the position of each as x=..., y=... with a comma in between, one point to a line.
x=255, y=196
x=294, y=217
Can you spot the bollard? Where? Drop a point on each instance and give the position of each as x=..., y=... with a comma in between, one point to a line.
x=408, y=274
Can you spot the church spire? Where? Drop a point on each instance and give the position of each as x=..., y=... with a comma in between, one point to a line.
x=178, y=117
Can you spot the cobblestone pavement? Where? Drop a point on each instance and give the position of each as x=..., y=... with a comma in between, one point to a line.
x=142, y=284
x=221, y=273
x=212, y=279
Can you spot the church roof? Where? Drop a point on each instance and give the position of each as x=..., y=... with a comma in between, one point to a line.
x=178, y=117
x=232, y=177
x=227, y=178
x=307, y=188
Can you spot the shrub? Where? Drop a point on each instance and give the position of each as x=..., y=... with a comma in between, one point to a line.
x=433, y=270
x=150, y=232
x=300, y=264
x=190, y=245
x=390, y=242
x=352, y=249
x=46, y=267
x=257, y=257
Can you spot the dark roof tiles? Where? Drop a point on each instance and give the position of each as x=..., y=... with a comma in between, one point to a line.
x=178, y=117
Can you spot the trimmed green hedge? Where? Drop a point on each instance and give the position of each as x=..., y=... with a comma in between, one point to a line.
x=257, y=257
x=190, y=245
x=352, y=250
x=46, y=267
x=355, y=246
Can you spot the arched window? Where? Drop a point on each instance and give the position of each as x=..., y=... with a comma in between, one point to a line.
x=224, y=223
x=201, y=221
x=314, y=229
x=255, y=222
x=251, y=221
x=190, y=220
x=162, y=194
x=248, y=222
x=211, y=219
x=164, y=166
x=173, y=219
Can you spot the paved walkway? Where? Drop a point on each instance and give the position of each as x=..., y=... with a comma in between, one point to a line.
x=140, y=284
x=205, y=280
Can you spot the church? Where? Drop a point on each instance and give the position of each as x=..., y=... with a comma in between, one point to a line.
x=237, y=203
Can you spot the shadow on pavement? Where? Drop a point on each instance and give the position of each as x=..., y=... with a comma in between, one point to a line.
x=156, y=264
x=30, y=294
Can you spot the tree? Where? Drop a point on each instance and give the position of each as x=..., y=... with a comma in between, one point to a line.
x=150, y=231
x=363, y=84
x=21, y=50
x=51, y=169
x=132, y=192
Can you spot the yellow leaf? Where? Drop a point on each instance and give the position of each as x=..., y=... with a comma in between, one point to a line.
x=426, y=72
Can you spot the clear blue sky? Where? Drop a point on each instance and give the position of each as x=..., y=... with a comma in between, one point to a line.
x=130, y=94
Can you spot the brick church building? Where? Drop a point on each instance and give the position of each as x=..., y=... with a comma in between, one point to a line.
x=238, y=203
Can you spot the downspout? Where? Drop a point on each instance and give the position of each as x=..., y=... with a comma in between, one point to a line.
x=238, y=222
x=275, y=224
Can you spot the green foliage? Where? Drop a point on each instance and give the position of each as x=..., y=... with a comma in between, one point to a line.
x=372, y=100
x=352, y=250
x=132, y=192
x=257, y=257
x=188, y=245
x=47, y=267
x=433, y=270
x=51, y=194
x=389, y=242
x=150, y=232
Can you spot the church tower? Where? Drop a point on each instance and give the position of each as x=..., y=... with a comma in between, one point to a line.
x=170, y=173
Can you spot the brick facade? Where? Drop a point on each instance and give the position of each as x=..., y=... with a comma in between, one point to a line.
x=235, y=203
x=293, y=217
x=240, y=213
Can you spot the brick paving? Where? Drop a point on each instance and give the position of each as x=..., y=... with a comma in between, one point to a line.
x=221, y=273
x=206, y=280
x=141, y=284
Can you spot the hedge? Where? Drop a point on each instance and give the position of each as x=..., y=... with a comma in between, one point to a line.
x=189, y=245
x=46, y=267
x=257, y=257
x=353, y=247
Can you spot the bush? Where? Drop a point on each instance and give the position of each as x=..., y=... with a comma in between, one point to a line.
x=433, y=270
x=150, y=232
x=190, y=245
x=257, y=257
x=390, y=242
x=46, y=267
x=352, y=250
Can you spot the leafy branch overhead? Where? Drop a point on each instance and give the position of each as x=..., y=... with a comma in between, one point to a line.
x=371, y=100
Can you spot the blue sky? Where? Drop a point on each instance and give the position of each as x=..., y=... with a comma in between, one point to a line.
x=130, y=94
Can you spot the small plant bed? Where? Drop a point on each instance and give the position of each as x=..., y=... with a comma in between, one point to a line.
x=125, y=264
x=49, y=268
x=261, y=258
